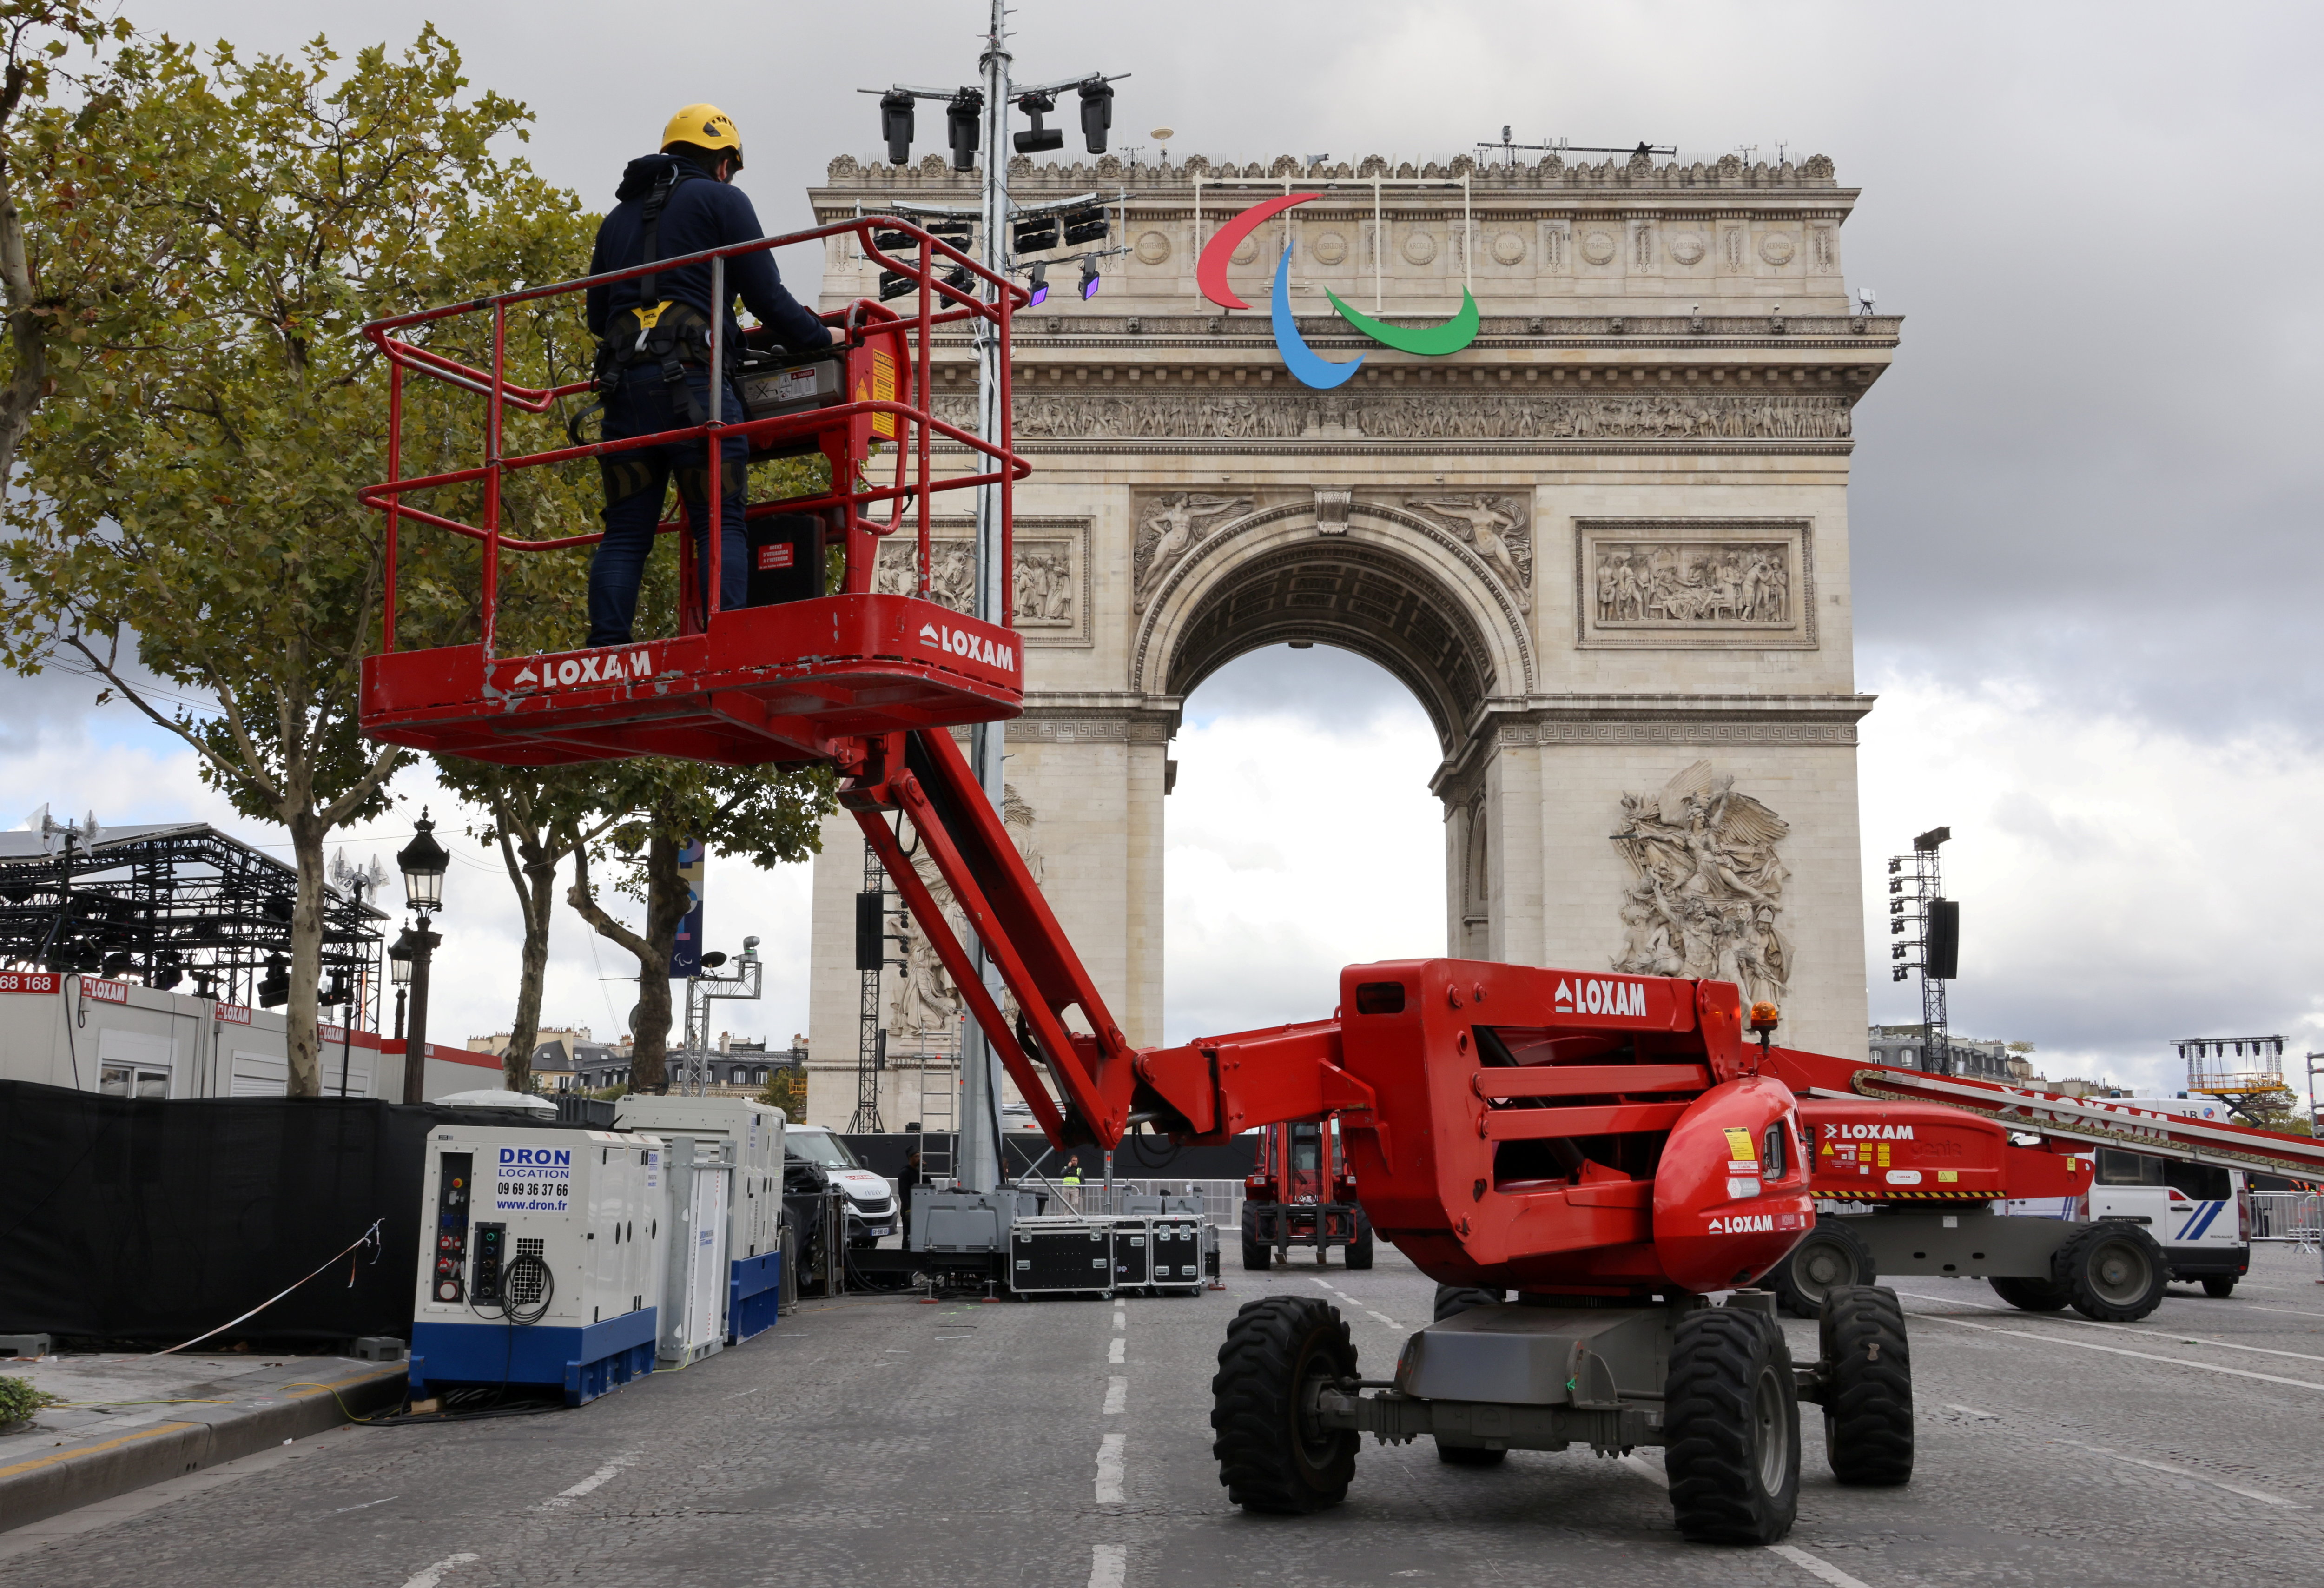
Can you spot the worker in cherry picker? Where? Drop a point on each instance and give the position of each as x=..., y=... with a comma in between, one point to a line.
x=653, y=356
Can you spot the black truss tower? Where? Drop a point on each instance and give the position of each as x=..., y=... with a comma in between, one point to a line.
x=1919, y=911
x=170, y=906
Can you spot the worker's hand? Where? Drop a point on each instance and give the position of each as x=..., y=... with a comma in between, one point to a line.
x=839, y=336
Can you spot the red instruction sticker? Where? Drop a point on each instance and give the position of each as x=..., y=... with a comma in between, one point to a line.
x=780, y=554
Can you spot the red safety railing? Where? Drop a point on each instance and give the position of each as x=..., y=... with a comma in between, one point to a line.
x=939, y=301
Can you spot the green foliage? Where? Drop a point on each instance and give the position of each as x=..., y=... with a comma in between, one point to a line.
x=19, y=1400
x=787, y=1089
x=221, y=228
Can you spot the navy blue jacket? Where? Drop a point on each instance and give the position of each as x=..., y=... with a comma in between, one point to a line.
x=702, y=213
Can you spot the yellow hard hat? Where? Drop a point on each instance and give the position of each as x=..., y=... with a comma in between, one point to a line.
x=705, y=127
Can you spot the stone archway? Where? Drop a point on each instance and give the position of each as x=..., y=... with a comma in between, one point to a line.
x=1605, y=547
x=1383, y=583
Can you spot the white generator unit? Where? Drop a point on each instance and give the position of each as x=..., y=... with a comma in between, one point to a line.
x=540, y=1259
x=754, y=1241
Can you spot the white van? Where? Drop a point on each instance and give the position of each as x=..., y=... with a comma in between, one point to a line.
x=2199, y=1214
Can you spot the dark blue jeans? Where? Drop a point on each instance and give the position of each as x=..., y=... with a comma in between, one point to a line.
x=637, y=483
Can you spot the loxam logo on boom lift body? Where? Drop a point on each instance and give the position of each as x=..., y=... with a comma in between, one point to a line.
x=585, y=669
x=1599, y=997
x=1743, y=1223
x=1845, y=1133
x=955, y=641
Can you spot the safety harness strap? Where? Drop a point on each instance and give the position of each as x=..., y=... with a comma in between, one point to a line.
x=662, y=325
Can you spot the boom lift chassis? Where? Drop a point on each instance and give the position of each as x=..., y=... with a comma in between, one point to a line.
x=1580, y=1160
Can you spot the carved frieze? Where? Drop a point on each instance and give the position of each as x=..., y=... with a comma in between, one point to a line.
x=1169, y=527
x=1499, y=528
x=1706, y=893
x=1435, y=415
x=1678, y=584
x=1051, y=585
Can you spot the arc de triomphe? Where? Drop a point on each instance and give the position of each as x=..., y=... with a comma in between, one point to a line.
x=1606, y=546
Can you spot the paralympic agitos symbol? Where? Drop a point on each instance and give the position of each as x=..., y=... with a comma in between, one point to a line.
x=1322, y=374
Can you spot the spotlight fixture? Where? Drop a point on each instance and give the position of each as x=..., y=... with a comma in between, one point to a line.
x=894, y=242
x=896, y=125
x=1089, y=280
x=1041, y=140
x=1037, y=236
x=963, y=121
x=1097, y=114
x=894, y=283
x=1087, y=226
x=274, y=987
x=1039, y=280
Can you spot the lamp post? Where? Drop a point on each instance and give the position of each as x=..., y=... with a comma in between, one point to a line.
x=423, y=862
x=398, y=970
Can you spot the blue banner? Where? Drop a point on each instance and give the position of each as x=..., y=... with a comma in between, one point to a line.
x=686, y=953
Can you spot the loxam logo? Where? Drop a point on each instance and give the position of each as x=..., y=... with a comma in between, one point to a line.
x=1743, y=1223
x=1601, y=997
x=1840, y=1132
x=975, y=647
x=585, y=669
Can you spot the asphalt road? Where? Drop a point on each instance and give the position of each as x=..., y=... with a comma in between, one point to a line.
x=1065, y=1444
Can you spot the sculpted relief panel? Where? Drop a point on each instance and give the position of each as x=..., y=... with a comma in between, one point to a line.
x=1662, y=584
x=1441, y=414
x=1051, y=587
x=1706, y=894
x=1498, y=528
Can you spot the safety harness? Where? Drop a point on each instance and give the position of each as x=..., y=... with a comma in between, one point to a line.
x=663, y=331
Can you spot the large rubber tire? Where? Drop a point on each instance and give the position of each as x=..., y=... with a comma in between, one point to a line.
x=1360, y=1250
x=1867, y=1362
x=1832, y=1254
x=1468, y=1455
x=1255, y=1258
x=2112, y=1271
x=1453, y=1298
x=1270, y=1456
x=2221, y=1286
x=1732, y=1416
x=2031, y=1294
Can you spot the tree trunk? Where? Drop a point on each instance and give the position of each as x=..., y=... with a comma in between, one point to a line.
x=299, y=1016
x=534, y=894
x=27, y=333
x=665, y=903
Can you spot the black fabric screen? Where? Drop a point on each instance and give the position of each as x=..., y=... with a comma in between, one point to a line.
x=149, y=1222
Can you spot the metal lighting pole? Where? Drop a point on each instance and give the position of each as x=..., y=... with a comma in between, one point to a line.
x=423, y=861
x=978, y=1167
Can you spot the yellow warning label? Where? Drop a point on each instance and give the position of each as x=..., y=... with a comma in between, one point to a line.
x=1740, y=1145
x=1884, y=1155
x=1948, y=1176
x=883, y=390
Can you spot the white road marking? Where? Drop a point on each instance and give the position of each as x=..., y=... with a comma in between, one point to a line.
x=366, y=1505
x=1799, y=1557
x=594, y=1480
x=739, y=1395
x=1994, y=1416
x=2179, y=1362
x=2126, y=1329
x=1117, y=1396
x=1120, y=1321
x=2261, y=1495
x=435, y=1574
x=1109, y=1472
x=2292, y=1312
x=1109, y=1566
x=1114, y=1349
x=1383, y=1317
x=1816, y=1565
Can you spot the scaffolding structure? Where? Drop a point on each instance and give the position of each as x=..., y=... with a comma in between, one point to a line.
x=166, y=905
x=1933, y=949
x=2245, y=1073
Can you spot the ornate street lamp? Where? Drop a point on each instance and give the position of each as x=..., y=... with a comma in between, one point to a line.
x=399, y=969
x=423, y=862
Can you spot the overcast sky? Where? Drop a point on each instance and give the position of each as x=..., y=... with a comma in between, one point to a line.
x=2085, y=502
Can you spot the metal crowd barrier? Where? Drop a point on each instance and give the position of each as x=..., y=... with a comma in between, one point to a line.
x=2292, y=1217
